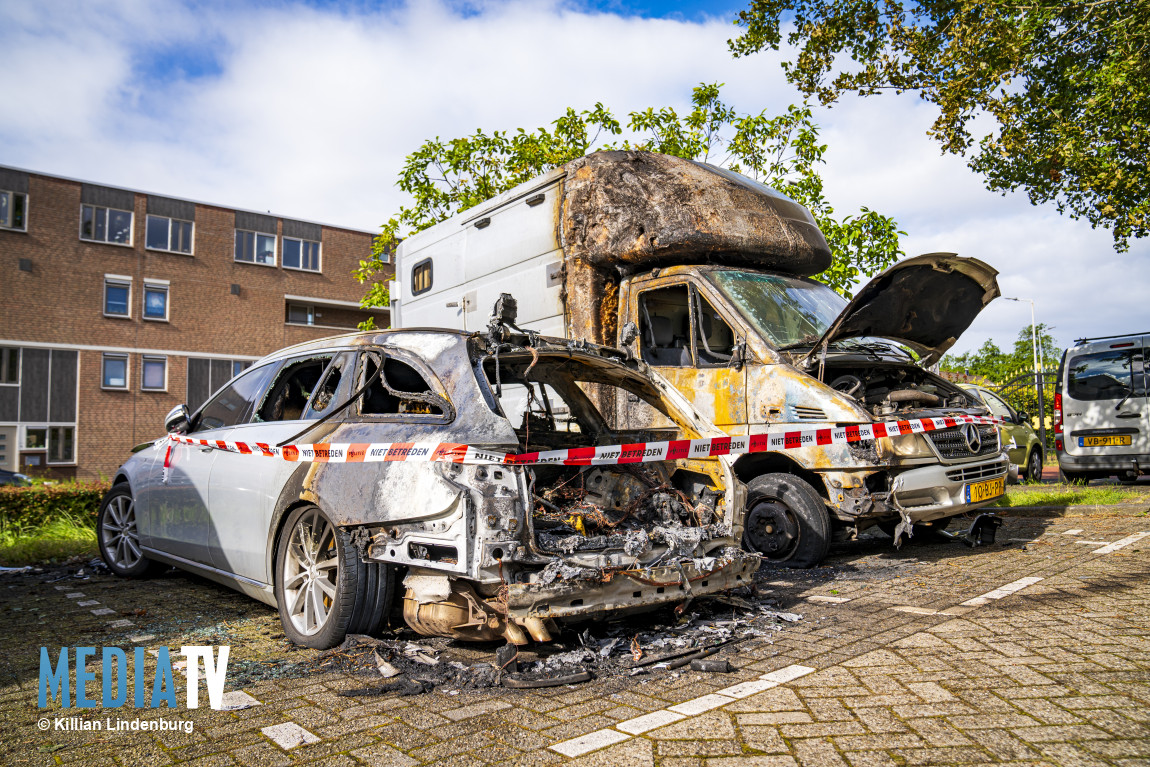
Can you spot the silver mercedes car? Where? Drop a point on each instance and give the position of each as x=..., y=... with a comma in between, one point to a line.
x=483, y=550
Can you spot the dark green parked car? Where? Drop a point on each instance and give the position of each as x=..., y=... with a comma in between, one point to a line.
x=1018, y=437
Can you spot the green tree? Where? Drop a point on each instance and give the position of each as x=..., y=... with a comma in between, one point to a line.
x=783, y=151
x=1067, y=84
x=1000, y=367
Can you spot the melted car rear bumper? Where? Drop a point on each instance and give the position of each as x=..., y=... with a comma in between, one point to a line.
x=635, y=590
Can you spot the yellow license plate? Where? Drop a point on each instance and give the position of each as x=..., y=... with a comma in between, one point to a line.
x=1113, y=440
x=976, y=492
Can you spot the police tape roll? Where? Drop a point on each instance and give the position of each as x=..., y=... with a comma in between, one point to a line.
x=641, y=452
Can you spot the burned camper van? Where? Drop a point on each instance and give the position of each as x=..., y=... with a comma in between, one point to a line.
x=705, y=276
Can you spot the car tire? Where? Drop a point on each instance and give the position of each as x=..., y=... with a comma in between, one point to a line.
x=323, y=589
x=118, y=535
x=786, y=521
x=1034, y=466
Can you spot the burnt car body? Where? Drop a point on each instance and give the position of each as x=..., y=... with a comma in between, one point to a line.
x=484, y=550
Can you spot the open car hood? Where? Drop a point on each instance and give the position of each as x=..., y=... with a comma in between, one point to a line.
x=924, y=303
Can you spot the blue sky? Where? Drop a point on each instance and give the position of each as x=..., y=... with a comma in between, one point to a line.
x=307, y=110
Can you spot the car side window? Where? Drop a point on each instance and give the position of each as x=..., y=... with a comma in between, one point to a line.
x=288, y=397
x=665, y=327
x=233, y=405
x=714, y=341
x=333, y=389
x=400, y=389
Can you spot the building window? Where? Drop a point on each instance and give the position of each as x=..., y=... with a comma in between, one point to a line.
x=301, y=254
x=117, y=296
x=421, y=277
x=61, y=444
x=35, y=438
x=13, y=210
x=171, y=234
x=239, y=366
x=256, y=247
x=115, y=371
x=155, y=301
x=154, y=374
x=105, y=225
x=9, y=365
x=298, y=314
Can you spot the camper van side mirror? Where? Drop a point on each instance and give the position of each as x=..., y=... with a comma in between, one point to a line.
x=739, y=354
x=177, y=420
x=628, y=334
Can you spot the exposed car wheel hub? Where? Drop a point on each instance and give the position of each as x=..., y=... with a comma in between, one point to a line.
x=772, y=529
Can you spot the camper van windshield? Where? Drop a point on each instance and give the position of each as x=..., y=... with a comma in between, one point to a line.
x=785, y=310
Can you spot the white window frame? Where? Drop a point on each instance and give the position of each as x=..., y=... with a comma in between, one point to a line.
x=11, y=205
x=23, y=437
x=119, y=280
x=48, y=445
x=146, y=358
x=19, y=364
x=127, y=371
x=302, y=242
x=131, y=225
x=156, y=285
x=191, y=245
x=255, y=242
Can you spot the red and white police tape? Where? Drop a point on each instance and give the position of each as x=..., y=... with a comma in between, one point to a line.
x=641, y=452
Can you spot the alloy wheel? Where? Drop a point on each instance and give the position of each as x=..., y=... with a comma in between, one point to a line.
x=120, y=537
x=311, y=572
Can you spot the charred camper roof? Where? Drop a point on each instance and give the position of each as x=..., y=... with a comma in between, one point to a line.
x=641, y=210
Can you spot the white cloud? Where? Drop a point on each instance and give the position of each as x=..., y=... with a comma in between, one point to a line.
x=309, y=113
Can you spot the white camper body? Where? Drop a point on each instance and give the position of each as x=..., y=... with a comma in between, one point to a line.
x=509, y=244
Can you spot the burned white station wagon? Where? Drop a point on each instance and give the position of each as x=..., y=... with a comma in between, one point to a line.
x=483, y=551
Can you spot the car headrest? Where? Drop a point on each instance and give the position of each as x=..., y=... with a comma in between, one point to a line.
x=661, y=329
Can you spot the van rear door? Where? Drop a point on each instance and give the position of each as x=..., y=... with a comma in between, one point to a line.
x=1104, y=399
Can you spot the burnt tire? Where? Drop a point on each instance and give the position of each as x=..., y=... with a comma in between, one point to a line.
x=119, y=538
x=323, y=589
x=1034, y=466
x=786, y=521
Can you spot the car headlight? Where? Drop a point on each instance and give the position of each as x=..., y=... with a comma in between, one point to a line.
x=911, y=446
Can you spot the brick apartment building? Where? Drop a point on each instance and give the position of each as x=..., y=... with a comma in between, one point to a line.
x=119, y=305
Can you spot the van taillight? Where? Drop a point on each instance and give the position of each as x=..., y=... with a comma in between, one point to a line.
x=1058, y=412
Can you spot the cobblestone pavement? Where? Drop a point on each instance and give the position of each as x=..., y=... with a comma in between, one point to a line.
x=1033, y=651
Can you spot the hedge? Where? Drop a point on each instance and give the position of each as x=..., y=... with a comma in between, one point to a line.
x=32, y=506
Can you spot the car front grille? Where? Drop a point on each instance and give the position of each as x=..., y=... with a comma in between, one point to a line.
x=975, y=473
x=951, y=444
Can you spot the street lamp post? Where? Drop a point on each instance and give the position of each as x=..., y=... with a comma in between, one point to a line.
x=1038, y=387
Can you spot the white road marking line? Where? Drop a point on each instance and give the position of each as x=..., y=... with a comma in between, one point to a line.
x=236, y=700
x=831, y=600
x=787, y=674
x=138, y=638
x=914, y=610
x=699, y=705
x=1002, y=591
x=1122, y=543
x=121, y=624
x=75, y=595
x=746, y=689
x=88, y=603
x=592, y=741
x=103, y=611
x=1093, y=543
x=289, y=735
x=648, y=722
x=1075, y=531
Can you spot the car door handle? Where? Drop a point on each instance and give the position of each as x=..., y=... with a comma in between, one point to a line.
x=206, y=449
x=1129, y=415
